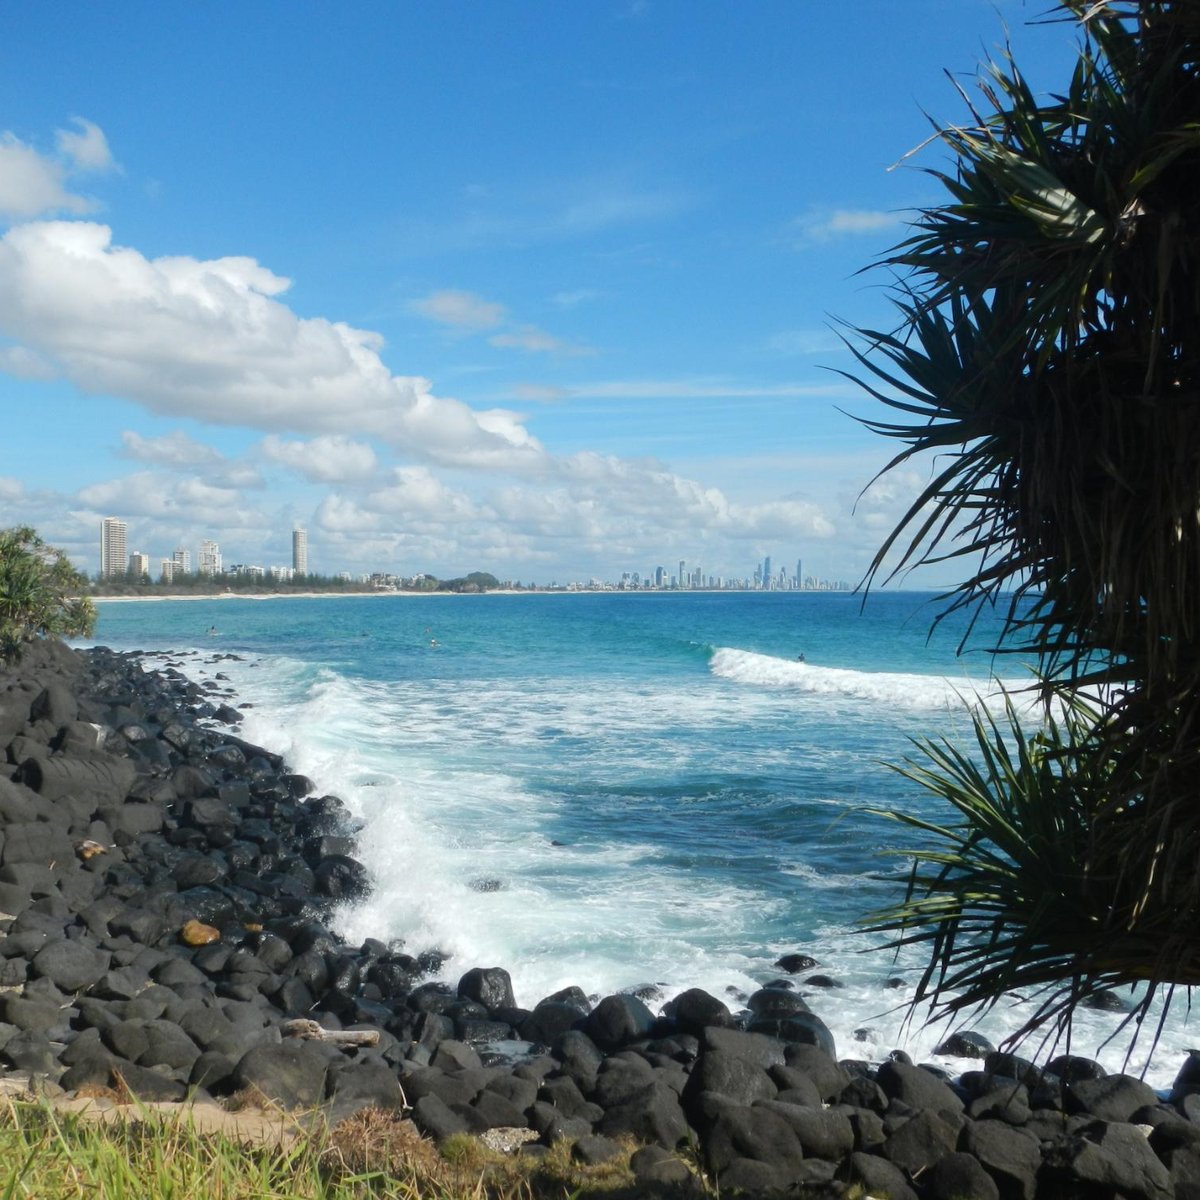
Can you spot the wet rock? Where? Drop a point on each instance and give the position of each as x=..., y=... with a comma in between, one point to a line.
x=489, y=986
x=618, y=1020
x=1113, y=1098
x=917, y=1088
x=694, y=1010
x=793, y=964
x=965, y=1044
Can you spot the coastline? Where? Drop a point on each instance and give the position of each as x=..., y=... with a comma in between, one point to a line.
x=490, y=592
x=193, y=824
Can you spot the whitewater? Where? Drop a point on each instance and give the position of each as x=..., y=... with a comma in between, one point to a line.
x=619, y=791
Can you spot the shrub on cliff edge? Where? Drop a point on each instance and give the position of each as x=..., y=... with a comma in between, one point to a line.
x=41, y=593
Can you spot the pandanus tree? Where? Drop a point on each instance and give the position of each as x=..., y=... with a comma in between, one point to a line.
x=1048, y=357
x=41, y=593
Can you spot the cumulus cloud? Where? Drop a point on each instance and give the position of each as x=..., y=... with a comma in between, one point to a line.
x=207, y=339
x=11, y=490
x=329, y=459
x=23, y=363
x=589, y=507
x=152, y=494
x=85, y=146
x=32, y=184
x=174, y=449
x=463, y=310
x=413, y=493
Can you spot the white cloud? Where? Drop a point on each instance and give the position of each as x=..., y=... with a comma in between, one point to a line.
x=31, y=184
x=570, y=299
x=463, y=310
x=86, y=146
x=172, y=498
x=701, y=389
x=11, y=490
x=207, y=339
x=601, y=208
x=23, y=363
x=823, y=225
x=537, y=393
x=172, y=449
x=536, y=341
x=330, y=459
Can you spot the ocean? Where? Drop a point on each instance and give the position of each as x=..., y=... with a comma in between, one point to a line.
x=620, y=790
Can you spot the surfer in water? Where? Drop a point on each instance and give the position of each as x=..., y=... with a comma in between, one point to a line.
x=800, y=658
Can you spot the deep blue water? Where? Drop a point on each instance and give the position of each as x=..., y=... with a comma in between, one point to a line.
x=652, y=785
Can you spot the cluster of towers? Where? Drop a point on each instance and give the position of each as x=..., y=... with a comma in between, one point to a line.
x=115, y=560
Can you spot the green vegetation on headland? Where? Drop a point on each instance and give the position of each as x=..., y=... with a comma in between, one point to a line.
x=39, y=592
x=1049, y=366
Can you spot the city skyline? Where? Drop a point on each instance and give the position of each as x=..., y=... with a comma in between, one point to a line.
x=210, y=563
x=577, y=308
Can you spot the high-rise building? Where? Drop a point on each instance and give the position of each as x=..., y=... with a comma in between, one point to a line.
x=112, y=547
x=299, y=551
x=167, y=570
x=210, y=558
x=182, y=560
x=766, y=572
x=139, y=565
x=682, y=574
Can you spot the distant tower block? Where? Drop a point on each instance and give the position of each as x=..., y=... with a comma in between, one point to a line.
x=113, y=560
x=299, y=551
x=210, y=558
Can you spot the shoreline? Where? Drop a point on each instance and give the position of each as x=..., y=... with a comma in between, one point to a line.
x=489, y=592
x=130, y=808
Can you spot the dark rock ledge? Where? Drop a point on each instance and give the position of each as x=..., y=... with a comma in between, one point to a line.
x=165, y=898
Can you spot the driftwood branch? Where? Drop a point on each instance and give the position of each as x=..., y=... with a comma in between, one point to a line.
x=311, y=1031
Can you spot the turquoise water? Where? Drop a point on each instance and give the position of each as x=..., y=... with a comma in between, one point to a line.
x=616, y=789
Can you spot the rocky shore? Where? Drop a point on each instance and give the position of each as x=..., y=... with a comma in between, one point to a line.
x=166, y=891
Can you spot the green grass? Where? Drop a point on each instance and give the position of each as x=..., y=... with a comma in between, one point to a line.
x=51, y=1155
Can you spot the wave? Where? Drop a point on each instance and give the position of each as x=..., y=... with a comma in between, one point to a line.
x=894, y=689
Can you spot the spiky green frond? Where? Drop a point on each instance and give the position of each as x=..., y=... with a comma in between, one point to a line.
x=1048, y=357
x=41, y=593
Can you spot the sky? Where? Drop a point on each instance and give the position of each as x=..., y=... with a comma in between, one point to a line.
x=542, y=289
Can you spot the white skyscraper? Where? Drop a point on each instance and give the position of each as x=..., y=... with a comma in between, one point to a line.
x=139, y=565
x=182, y=560
x=299, y=551
x=112, y=547
x=210, y=558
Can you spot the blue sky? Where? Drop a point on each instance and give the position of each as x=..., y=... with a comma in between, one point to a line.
x=544, y=289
